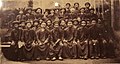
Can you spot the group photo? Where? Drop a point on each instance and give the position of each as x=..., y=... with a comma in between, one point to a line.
x=69, y=32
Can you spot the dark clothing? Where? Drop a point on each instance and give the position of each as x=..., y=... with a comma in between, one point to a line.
x=69, y=46
x=15, y=37
x=28, y=49
x=55, y=47
x=93, y=41
x=82, y=44
x=41, y=50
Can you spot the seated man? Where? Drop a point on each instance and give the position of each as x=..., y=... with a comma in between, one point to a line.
x=42, y=46
x=56, y=44
x=82, y=40
x=69, y=41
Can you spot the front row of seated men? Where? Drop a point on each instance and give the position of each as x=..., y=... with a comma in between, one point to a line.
x=61, y=39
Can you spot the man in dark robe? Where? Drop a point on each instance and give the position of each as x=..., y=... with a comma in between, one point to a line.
x=38, y=13
x=82, y=40
x=29, y=38
x=93, y=40
x=15, y=37
x=81, y=14
x=56, y=43
x=69, y=41
x=42, y=47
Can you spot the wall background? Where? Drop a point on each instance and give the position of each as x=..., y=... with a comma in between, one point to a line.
x=43, y=3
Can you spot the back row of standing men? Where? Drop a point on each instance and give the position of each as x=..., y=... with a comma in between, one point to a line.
x=60, y=33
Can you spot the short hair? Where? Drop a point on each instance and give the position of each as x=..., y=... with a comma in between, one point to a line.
x=37, y=9
x=76, y=3
x=68, y=4
x=87, y=3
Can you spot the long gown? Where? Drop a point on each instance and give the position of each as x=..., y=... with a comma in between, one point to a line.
x=28, y=49
x=42, y=48
x=69, y=48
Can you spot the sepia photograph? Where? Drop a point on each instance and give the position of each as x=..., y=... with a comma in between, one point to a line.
x=59, y=31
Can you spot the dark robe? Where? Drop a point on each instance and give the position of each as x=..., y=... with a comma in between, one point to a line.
x=55, y=45
x=69, y=49
x=82, y=44
x=93, y=41
x=15, y=36
x=43, y=43
x=29, y=38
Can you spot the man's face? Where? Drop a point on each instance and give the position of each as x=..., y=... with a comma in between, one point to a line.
x=69, y=24
x=22, y=24
x=46, y=13
x=62, y=23
x=87, y=5
x=91, y=11
x=39, y=11
x=29, y=11
x=56, y=11
x=43, y=25
x=33, y=12
x=83, y=23
x=49, y=22
x=36, y=23
x=75, y=22
x=76, y=5
x=52, y=11
x=21, y=12
x=67, y=6
x=56, y=25
x=88, y=23
x=16, y=25
x=93, y=22
x=28, y=25
x=79, y=19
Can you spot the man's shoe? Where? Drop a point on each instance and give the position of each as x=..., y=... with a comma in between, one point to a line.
x=53, y=59
x=48, y=59
x=60, y=58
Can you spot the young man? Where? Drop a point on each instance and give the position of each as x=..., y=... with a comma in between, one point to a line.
x=29, y=38
x=43, y=38
x=67, y=7
x=76, y=6
x=82, y=13
x=15, y=37
x=56, y=43
x=87, y=7
x=38, y=13
x=82, y=40
x=69, y=41
x=93, y=39
x=92, y=14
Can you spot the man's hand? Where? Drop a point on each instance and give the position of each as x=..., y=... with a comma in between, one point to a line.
x=12, y=43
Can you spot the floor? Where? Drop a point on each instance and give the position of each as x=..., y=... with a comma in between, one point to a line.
x=65, y=61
